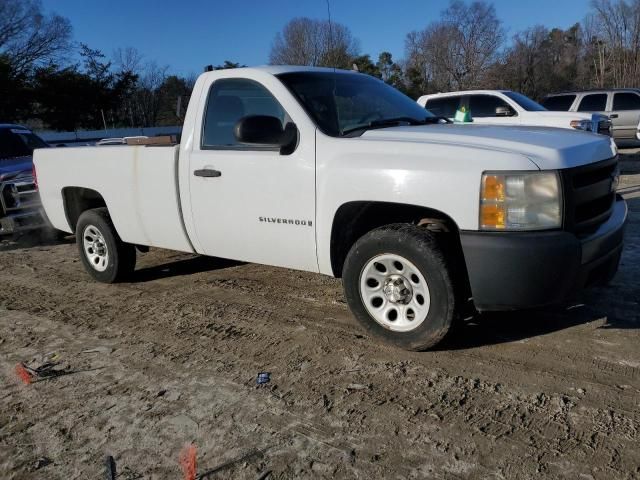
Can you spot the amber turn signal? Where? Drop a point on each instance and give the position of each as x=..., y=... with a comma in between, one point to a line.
x=492, y=216
x=493, y=188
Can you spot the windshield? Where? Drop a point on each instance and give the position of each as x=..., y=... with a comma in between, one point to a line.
x=340, y=103
x=18, y=142
x=525, y=102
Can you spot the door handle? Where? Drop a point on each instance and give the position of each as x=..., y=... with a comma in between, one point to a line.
x=614, y=115
x=207, y=172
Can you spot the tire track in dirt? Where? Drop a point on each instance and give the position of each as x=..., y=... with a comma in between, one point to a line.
x=490, y=425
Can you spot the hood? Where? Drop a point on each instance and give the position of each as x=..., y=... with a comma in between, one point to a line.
x=566, y=115
x=548, y=148
x=14, y=167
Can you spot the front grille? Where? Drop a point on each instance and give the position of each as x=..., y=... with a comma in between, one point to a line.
x=18, y=194
x=589, y=195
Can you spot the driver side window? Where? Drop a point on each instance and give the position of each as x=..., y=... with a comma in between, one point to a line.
x=486, y=105
x=230, y=100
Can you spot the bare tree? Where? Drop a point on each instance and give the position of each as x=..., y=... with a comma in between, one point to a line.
x=305, y=41
x=614, y=42
x=540, y=61
x=28, y=37
x=128, y=59
x=149, y=93
x=457, y=51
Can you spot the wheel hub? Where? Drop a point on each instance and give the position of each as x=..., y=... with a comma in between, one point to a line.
x=397, y=289
x=394, y=292
x=95, y=248
x=99, y=248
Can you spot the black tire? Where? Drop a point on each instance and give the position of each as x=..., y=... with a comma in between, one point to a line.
x=120, y=260
x=419, y=247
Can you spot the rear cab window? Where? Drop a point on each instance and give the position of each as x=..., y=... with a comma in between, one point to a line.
x=593, y=102
x=559, y=103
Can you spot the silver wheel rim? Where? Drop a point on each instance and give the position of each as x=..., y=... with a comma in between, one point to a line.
x=95, y=248
x=394, y=292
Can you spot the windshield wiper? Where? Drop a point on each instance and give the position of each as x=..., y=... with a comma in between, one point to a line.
x=391, y=122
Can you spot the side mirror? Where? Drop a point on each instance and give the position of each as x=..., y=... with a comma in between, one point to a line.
x=503, y=112
x=266, y=130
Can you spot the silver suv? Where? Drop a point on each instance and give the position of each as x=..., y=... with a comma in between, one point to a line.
x=622, y=105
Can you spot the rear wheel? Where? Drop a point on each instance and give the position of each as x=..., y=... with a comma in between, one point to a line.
x=400, y=286
x=104, y=256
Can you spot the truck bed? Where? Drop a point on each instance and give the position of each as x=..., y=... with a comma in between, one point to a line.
x=138, y=183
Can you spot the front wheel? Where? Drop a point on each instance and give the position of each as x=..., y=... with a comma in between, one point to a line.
x=399, y=285
x=104, y=256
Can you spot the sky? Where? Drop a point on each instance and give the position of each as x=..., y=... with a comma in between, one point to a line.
x=190, y=34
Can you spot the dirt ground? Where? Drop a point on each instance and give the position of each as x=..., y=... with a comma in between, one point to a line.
x=172, y=358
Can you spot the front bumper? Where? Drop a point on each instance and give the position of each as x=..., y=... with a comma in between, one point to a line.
x=22, y=222
x=20, y=206
x=518, y=270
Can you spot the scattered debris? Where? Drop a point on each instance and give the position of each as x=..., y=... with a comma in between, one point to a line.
x=327, y=403
x=110, y=468
x=188, y=461
x=44, y=367
x=357, y=386
x=263, y=377
x=41, y=462
x=23, y=373
x=99, y=350
x=264, y=475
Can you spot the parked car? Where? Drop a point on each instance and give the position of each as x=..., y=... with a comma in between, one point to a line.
x=504, y=107
x=621, y=105
x=20, y=207
x=417, y=217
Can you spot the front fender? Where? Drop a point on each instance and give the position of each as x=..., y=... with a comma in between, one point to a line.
x=441, y=177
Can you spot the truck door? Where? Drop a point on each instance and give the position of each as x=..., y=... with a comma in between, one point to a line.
x=250, y=202
x=625, y=114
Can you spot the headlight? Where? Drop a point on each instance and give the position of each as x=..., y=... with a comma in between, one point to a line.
x=520, y=201
x=585, y=125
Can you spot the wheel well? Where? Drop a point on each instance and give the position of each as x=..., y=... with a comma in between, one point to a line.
x=77, y=200
x=354, y=219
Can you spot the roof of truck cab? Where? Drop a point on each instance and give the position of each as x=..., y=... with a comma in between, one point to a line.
x=278, y=69
x=13, y=125
x=464, y=92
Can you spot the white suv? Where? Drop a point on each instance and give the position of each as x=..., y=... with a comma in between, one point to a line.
x=621, y=105
x=504, y=107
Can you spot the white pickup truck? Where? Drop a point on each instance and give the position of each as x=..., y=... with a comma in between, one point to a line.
x=338, y=173
x=504, y=107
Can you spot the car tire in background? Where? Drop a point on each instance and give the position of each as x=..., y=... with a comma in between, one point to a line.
x=104, y=255
x=399, y=285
